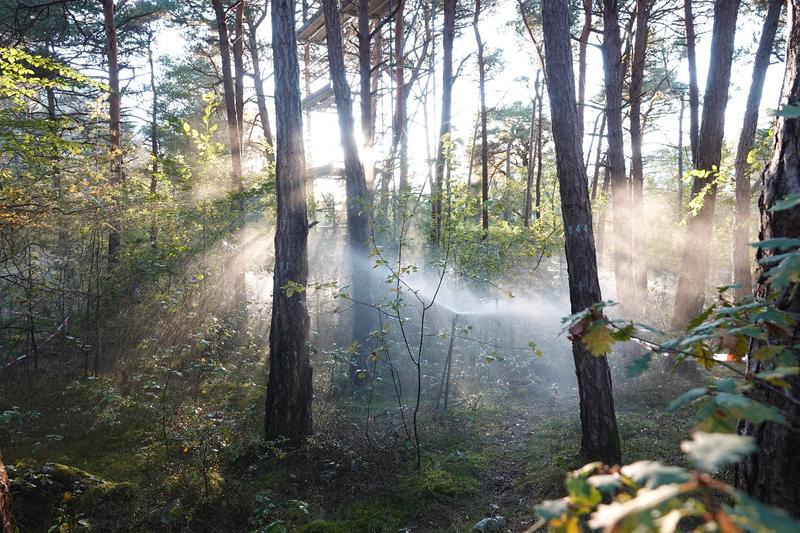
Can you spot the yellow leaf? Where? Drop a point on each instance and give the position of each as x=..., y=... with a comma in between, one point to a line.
x=768, y=352
x=598, y=339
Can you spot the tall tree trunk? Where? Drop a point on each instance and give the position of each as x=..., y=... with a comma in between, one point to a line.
x=484, y=133
x=620, y=192
x=258, y=81
x=771, y=473
x=694, y=91
x=598, y=157
x=695, y=264
x=741, y=223
x=475, y=127
x=443, y=147
x=600, y=439
x=638, y=257
x=539, y=145
x=601, y=222
x=531, y=170
x=583, y=42
x=400, y=118
x=288, y=403
x=234, y=144
x=153, y=142
x=357, y=195
x=115, y=124
x=365, y=85
x=238, y=65
x=681, y=170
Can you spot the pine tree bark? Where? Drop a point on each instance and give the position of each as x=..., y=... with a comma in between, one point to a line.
x=620, y=191
x=600, y=438
x=583, y=42
x=531, y=167
x=638, y=257
x=741, y=223
x=238, y=65
x=695, y=263
x=771, y=473
x=539, y=145
x=288, y=403
x=694, y=91
x=442, y=150
x=681, y=171
x=153, y=141
x=400, y=117
x=357, y=194
x=484, y=132
x=234, y=143
x=598, y=157
x=365, y=86
x=115, y=123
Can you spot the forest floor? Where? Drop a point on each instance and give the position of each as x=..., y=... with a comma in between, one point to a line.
x=490, y=455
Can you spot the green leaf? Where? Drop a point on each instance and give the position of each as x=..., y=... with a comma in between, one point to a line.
x=768, y=352
x=779, y=242
x=552, y=509
x=687, y=397
x=749, y=409
x=776, y=376
x=638, y=366
x=582, y=494
x=757, y=517
x=607, y=484
x=787, y=202
x=725, y=385
x=625, y=333
x=788, y=111
x=699, y=319
x=712, y=451
x=652, y=474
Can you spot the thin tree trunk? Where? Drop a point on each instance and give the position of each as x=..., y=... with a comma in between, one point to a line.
x=288, y=403
x=694, y=91
x=741, y=223
x=695, y=264
x=357, y=195
x=681, y=171
x=598, y=157
x=153, y=143
x=484, y=133
x=531, y=170
x=620, y=193
x=238, y=65
x=601, y=230
x=443, y=146
x=636, y=89
x=115, y=123
x=400, y=119
x=600, y=439
x=234, y=144
x=258, y=82
x=365, y=82
x=539, y=144
x=583, y=42
x=472, y=149
x=771, y=473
